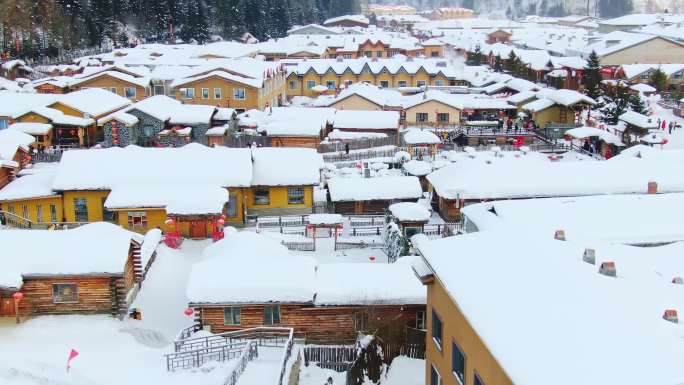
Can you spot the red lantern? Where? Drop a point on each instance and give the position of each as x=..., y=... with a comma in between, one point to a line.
x=223, y=216
x=665, y=141
x=372, y=258
x=169, y=221
x=18, y=296
x=60, y=132
x=189, y=311
x=115, y=130
x=72, y=132
x=221, y=221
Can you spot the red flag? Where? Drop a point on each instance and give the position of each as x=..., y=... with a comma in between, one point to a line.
x=72, y=354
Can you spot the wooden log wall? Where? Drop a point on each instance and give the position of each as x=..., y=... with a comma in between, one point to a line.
x=94, y=296
x=325, y=325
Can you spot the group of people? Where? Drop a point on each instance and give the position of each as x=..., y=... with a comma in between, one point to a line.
x=672, y=126
x=49, y=150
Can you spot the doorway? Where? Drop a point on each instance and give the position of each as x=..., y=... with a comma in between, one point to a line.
x=198, y=229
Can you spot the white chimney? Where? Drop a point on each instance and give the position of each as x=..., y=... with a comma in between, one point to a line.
x=589, y=256
x=608, y=269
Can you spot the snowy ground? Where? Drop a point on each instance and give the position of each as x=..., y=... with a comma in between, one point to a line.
x=404, y=371
x=265, y=370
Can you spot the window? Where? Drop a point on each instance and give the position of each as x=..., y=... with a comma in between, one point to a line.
x=80, y=210
x=331, y=84
x=24, y=211
x=64, y=293
x=159, y=90
x=293, y=84
x=130, y=92
x=187, y=93
x=378, y=53
x=348, y=82
x=137, y=220
x=435, y=378
x=368, y=53
x=420, y=83
x=434, y=54
x=113, y=90
x=231, y=315
x=107, y=215
x=310, y=84
x=439, y=83
x=261, y=196
x=239, y=94
x=217, y=93
x=421, y=117
x=271, y=315
x=411, y=231
x=437, y=329
x=442, y=118
x=10, y=209
x=39, y=213
x=678, y=75
x=458, y=362
x=361, y=321
x=3, y=124
x=477, y=380
x=420, y=320
x=231, y=206
x=646, y=75
x=40, y=138
x=384, y=84
x=205, y=93
x=402, y=83
x=53, y=213
x=295, y=195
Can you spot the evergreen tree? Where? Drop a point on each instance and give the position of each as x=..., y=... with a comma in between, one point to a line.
x=615, y=104
x=281, y=17
x=476, y=57
x=511, y=62
x=498, y=65
x=659, y=80
x=231, y=18
x=592, y=76
x=636, y=104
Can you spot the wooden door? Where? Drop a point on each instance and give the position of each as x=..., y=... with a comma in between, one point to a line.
x=198, y=229
x=358, y=207
x=7, y=307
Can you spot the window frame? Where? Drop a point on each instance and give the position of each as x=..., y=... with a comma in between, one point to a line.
x=456, y=348
x=187, y=93
x=421, y=83
x=402, y=83
x=218, y=93
x=293, y=196
x=384, y=83
x=131, y=220
x=438, y=340
x=331, y=84
x=420, y=115
x=232, y=316
x=107, y=215
x=433, y=370
x=239, y=94
x=77, y=216
x=292, y=84
x=57, y=285
x=133, y=95
x=421, y=320
x=271, y=322
x=310, y=84
x=256, y=201
x=25, y=211
x=441, y=115
x=39, y=213
x=477, y=380
x=53, y=213
x=205, y=93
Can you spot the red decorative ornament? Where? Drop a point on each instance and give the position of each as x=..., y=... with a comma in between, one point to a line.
x=221, y=221
x=18, y=296
x=72, y=132
x=665, y=141
x=60, y=131
x=115, y=130
x=189, y=311
x=169, y=221
x=372, y=258
x=223, y=216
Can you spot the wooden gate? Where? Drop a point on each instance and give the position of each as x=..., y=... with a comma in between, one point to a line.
x=7, y=307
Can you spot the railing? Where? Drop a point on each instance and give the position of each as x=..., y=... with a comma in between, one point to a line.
x=249, y=353
x=356, y=245
x=45, y=157
x=198, y=357
x=187, y=332
x=300, y=246
x=359, y=155
x=292, y=220
x=286, y=356
x=357, y=144
x=366, y=220
x=273, y=335
x=337, y=358
x=16, y=221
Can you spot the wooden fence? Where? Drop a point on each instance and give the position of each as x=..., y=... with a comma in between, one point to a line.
x=357, y=144
x=337, y=358
x=357, y=245
x=359, y=155
x=300, y=246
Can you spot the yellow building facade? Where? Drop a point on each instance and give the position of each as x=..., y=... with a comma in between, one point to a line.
x=125, y=89
x=43, y=210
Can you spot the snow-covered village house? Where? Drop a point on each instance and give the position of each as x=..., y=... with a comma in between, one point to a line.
x=13, y=69
x=14, y=154
x=288, y=126
x=88, y=270
x=469, y=342
x=371, y=195
x=143, y=188
x=557, y=107
x=130, y=83
x=326, y=303
x=241, y=84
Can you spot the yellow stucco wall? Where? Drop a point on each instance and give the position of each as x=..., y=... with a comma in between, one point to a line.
x=657, y=50
x=553, y=115
x=16, y=206
x=456, y=329
x=95, y=200
x=108, y=82
x=432, y=108
x=355, y=102
x=254, y=97
x=278, y=198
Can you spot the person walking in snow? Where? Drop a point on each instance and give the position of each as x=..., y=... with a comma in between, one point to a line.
x=670, y=126
x=663, y=125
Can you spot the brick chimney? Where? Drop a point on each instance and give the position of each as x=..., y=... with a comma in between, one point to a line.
x=608, y=269
x=589, y=256
x=671, y=315
x=652, y=188
x=559, y=235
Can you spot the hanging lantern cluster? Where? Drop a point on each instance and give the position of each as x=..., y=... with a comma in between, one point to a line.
x=115, y=133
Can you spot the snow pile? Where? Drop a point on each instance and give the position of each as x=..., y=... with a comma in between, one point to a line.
x=288, y=121
x=380, y=188
x=152, y=240
x=418, y=167
x=410, y=212
x=94, y=101
x=550, y=299
x=636, y=119
x=586, y=132
x=32, y=128
x=93, y=248
x=29, y=186
x=418, y=136
x=405, y=371
x=368, y=284
x=175, y=198
x=351, y=135
x=325, y=219
x=11, y=141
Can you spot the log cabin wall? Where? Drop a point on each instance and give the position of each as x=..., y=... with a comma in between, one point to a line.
x=95, y=295
x=6, y=176
x=365, y=207
x=295, y=141
x=325, y=325
x=133, y=270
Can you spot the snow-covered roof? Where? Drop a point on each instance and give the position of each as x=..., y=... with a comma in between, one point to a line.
x=642, y=87
x=105, y=169
x=90, y=249
x=366, y=119
x=380, y=188
x=356, y=18
x=176, y=199
x=557, y=307
x=368, y=284
x=283, y=166
x=608, y=218
x=192, y=114
x=636, y=119
x=263, y=272
x=94, y=101
x=539, y=105
x=32, y=128
x=410, y=211
x=419, y=136
x=586, y=132
x=417, y=167
x=29, y=186
x=14, y=104
x=135, y=80
x=11, y=141
x=58, y=117
x=288, y=121
x=501, y=179
x=352, y=135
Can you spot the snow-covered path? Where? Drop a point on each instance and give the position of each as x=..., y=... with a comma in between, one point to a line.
x=264, y=370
